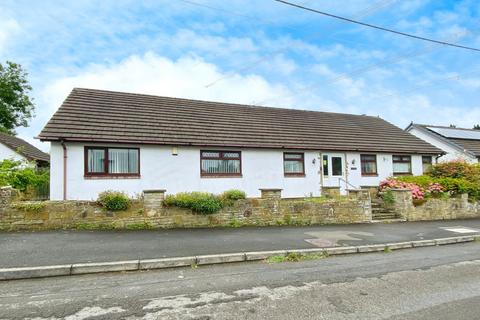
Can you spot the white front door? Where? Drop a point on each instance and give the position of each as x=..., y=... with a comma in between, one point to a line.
x=333, y=170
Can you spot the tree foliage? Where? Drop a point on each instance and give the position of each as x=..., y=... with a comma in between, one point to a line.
x=21, y=175
x=16, y=107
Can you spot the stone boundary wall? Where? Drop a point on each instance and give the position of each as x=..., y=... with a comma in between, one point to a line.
x=434, y=209
x=269, y=210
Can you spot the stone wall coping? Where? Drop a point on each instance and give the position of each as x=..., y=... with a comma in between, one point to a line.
x=155, y=191
x=270, y=189
x=329, y=187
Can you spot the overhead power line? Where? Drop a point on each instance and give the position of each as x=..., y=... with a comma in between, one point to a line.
x=376, y=27
x=367, y=11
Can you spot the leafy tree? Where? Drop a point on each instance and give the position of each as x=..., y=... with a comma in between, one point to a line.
x=453, y=125
x=16, y=107
x=21, y=175
x=476, y=127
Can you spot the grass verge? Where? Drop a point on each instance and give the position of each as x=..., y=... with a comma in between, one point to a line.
x=296, y=257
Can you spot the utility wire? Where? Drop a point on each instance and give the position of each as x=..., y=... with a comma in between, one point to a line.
x=356, y=72
x=376, y=27
x=367, y=11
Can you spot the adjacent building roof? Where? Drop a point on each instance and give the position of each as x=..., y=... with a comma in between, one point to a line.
x=24, y=148
x=116, y=117
x=466, y=139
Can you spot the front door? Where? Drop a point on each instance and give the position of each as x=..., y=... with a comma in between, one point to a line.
x=333, y=170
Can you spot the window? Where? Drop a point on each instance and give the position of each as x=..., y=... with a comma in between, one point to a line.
x=293, y=164
x=220, y=163
x=368, y=164
x=112, y=161
x=402, y=165
x=337, y=169
x=325, y=165
x=426, y=163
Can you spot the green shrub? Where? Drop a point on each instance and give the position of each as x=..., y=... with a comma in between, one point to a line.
x=114, y=200
x=22, y=175
x=456, y=169
x=388, y=197
x=421, y=181
x=201, y=202
x=233, y=194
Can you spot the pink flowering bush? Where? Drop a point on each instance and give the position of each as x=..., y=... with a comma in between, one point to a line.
x=393, y=183
x=435, y=189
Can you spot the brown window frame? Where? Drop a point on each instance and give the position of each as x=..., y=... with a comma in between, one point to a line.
x=367, y=174
x=220, y=175
x=402, y=161
x=302, y=159
x=105, y=163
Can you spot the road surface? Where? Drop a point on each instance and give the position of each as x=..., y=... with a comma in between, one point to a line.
x=424, y=283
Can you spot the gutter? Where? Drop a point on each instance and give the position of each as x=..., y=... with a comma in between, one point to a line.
x=65, y=157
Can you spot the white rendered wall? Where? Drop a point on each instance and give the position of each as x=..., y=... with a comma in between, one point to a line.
x=159, y=169
x=384, y=169
x=452, y=153
x=7, y=153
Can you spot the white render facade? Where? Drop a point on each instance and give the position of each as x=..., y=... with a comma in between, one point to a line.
x=8, y=153
x=177, y=169
x=452, y=151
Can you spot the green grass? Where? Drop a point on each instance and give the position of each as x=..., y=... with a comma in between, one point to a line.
x=387, y=250
x=139, y=226
x=296, y=257
x=29, y=206
x=95, y=226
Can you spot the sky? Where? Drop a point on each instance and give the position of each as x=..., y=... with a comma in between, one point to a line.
x=252, y=52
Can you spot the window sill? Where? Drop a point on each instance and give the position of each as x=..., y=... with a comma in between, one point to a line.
x=294, y=175
x=208, y=176
x=402, y=174
x=369, y=175
x=112, y=177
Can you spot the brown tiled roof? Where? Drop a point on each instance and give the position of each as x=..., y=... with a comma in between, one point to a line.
x=106, y=116
x=24, y=148
x=471, y=145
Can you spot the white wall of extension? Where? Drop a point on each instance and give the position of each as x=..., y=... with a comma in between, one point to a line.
x=7, y=153
x=160, y=169
x=452, y=153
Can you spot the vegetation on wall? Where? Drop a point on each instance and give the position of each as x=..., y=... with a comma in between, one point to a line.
x=203, y=202
x=443, y=180
x=22, y=175
x=114, y=200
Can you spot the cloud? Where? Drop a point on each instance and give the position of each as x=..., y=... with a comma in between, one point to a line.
x=9, y=27
x=154, y=74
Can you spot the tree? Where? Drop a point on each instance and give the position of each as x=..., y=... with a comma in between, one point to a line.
x=476, y=127
x=453, y=126
x=16, y=107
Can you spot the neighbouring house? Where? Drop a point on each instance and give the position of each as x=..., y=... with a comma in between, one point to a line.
x=17, y=149
x=457, y=143
x=104, y=140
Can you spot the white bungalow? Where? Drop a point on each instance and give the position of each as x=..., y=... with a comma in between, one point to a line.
x=131, y=142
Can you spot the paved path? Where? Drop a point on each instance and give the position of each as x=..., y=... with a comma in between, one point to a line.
x=434, y=283
x=61, y=247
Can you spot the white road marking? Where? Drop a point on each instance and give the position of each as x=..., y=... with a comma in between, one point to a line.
x=460, y=229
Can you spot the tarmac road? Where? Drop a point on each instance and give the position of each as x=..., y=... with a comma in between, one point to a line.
x=424, y=283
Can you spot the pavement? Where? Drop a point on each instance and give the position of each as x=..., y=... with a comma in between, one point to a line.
x=29, y=249
x=441, y=282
